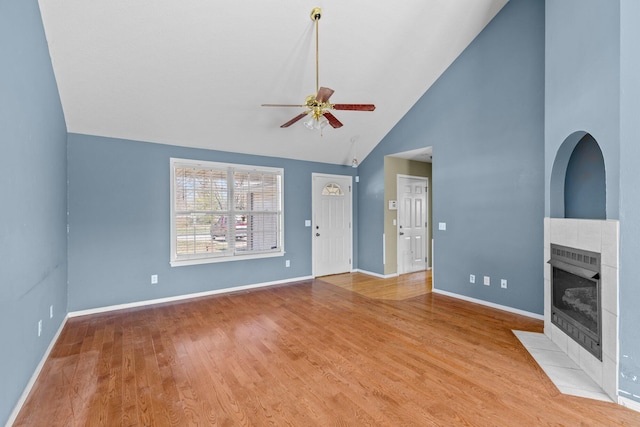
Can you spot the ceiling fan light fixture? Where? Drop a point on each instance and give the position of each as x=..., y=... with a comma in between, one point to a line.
x=309, y=123
x=322, y=123
x=316, y=123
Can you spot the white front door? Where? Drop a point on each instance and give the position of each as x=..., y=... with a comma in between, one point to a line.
x=412, y=224
x=331, y=225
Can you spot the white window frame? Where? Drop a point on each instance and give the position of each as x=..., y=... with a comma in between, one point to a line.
x=205, y=258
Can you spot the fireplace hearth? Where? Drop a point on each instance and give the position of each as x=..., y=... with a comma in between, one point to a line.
x=576, y=296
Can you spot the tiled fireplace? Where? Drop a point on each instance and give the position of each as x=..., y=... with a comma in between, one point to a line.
x=602, y=237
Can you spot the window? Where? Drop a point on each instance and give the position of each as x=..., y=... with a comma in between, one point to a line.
x=332, y=190
x=222, y=212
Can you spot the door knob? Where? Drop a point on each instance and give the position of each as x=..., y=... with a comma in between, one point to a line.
x=317, y=234
x=401, y=233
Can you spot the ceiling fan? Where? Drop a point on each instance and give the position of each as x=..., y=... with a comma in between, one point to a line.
x=318, y=105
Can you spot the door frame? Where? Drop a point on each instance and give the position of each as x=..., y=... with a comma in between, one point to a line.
x=426, y=236
x=313, y=216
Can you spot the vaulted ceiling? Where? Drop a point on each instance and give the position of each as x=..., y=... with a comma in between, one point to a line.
x=194, y=73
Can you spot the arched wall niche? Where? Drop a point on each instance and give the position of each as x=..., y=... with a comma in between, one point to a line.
x=578, y=179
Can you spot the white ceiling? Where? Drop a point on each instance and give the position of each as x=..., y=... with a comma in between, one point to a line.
x=194, y=72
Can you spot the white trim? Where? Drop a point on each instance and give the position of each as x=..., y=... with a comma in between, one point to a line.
x=210, y=259
x=490, y=304
x=628, y=403
x=25, y=393
x=183, y=297
x=181, y=162
x=371, y=273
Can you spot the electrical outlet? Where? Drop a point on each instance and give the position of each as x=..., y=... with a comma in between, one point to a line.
x=39, y=327
x=503, y=283
x=51, y=311
x=287, y=263
x=472, y=278
x=487, y=281
x=154, y=279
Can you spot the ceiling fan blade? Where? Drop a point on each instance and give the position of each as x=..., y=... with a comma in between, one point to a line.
x=324, y=93
x=292, y=121
x=282, y=105
x=335, y=123
x=354, y=107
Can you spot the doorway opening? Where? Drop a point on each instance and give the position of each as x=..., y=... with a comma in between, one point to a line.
x=415, y=163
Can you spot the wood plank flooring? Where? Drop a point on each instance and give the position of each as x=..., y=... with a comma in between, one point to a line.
x=395, y=288
x=304, y=354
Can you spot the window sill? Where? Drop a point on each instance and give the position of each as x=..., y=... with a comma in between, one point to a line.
x=212, y=260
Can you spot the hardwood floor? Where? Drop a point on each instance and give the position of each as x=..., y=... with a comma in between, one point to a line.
x=395, y=288
x=304, y=354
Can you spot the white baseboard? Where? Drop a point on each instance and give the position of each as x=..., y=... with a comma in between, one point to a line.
x=34, y=376
x=183, y=297
x=490, y=304
x=628, y=403
x=371, y=273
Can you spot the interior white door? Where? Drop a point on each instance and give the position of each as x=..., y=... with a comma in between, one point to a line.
x=332, y=235
x=412, y=224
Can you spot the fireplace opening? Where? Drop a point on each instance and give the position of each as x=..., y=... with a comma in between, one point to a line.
x=575, y=296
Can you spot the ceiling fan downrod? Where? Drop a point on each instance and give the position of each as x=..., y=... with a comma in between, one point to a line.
x=316, y=14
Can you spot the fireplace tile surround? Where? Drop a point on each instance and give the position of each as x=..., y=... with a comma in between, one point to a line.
x=600, y=236
x=565, y=374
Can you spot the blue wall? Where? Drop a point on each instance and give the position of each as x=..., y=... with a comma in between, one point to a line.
x=585, y=189
x=629, y=380
x=33, y=241
x=582, y=90
x=119, y=223
x=484, y=119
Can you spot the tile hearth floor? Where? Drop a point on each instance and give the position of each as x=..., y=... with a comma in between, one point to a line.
x=561, y=370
